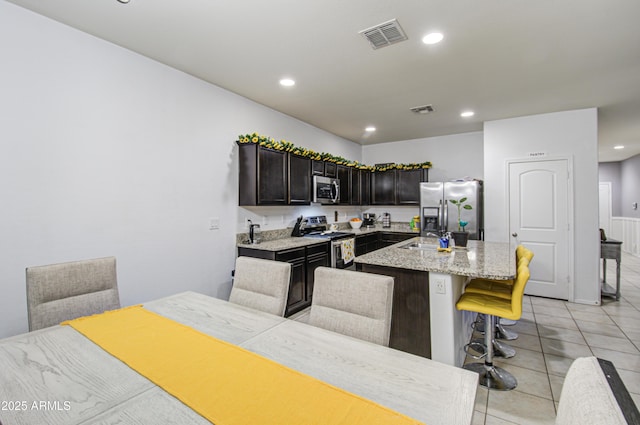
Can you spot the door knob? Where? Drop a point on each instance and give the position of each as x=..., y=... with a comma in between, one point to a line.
x=514, y=234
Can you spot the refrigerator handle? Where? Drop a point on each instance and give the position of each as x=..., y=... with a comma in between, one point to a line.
x=446, y=216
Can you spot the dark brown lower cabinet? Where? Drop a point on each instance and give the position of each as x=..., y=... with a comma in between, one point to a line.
x=388, y=238
x=303, y=261
x=410, y=320
x=366, y=243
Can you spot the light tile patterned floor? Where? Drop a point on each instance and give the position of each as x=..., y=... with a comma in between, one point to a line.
x=551, y=334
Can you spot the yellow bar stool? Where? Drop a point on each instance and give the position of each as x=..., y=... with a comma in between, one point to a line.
x=501, y=288
x=492, y=307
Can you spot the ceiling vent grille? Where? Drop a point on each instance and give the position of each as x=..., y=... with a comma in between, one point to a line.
x=384, y=34
x=425, y=109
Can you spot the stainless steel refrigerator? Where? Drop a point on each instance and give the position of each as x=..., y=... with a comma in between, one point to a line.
x=438, y=215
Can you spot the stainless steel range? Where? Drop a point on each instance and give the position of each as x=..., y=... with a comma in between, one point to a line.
x=343, y=244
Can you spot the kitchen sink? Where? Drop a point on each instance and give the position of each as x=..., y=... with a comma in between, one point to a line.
x=423, y=245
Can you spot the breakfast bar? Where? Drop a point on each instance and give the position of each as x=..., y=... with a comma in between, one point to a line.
x=428, y=284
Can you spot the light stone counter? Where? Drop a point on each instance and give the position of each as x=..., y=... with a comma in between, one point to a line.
x=490, y=260
x=281, y=239
x=283, y=244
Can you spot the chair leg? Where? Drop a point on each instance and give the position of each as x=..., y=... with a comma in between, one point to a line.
x=500, y=349
x=503, y=350
x=503, y=333
x=492, y=377
x=500, y=332
x=507, y=322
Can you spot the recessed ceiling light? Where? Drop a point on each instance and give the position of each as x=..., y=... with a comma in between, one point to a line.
x=432, y=38
x=124, y=1
x=467, y=114
x=287, y=82
x=618, y=147
x=370, y=129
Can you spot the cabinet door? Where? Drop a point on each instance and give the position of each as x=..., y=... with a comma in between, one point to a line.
x=356, y=186
x=297, y=294
x=272, y=177
x=330, y=169
x=408, y=186
x=313, y=262
x=383, y=187
x=299, y=180
x=317, y=167
x=365, y=187
x=344, y=175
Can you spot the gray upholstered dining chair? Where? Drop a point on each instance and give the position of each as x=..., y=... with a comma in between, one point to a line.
x=353, y=303
x=261, y=284
x=65, y=291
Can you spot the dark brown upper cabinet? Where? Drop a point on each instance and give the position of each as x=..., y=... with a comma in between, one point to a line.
x=317, y=167
x=397, y=187
x=299, y=180
x=344, y=175
x=408, y=185
x=330, y=169
x=265, y=176
x=383, y=187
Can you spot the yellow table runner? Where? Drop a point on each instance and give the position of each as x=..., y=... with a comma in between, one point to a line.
x=226, y=384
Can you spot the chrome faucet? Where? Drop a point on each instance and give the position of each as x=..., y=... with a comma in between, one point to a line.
x=435, y=235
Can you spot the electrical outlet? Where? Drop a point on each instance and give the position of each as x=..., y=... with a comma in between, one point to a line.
x=440, y=287
x=214, y=223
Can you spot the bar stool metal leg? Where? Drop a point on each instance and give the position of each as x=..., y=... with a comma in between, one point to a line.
x=492, y=377
x=504, y=333
x=500, y=332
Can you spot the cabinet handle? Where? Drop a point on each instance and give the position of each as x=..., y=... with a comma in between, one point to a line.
x=514, y=234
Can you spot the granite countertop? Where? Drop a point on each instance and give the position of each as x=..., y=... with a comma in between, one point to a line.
x=281, y=239
x=490, y=260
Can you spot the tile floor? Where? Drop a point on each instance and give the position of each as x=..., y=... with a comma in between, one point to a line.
x=551, y=334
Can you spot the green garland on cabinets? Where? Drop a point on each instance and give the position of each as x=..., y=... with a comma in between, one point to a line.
x=284, y=145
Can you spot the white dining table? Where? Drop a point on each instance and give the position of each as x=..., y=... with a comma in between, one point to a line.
x=57, y=376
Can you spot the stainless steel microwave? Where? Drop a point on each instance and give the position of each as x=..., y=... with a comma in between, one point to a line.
x=326, y=190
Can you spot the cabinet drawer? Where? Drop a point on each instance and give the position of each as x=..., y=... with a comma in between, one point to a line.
x=396, y=237
x=322, y=248
x=291, y=255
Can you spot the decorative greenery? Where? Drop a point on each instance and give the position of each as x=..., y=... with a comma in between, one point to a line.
x=284, y=145
x=460, y=204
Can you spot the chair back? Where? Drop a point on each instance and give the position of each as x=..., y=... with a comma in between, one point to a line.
x=353, y=303
x=261, y=284
x=523, y=253
x=517, y=292
x=65, y=291
x=592, y=395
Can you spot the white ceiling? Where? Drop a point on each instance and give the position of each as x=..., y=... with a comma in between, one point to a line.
x=500, y=58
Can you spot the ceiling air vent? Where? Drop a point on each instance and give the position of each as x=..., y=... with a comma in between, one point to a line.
x=425, y=109
x=384, y=34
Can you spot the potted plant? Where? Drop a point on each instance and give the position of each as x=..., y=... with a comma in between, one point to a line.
x=461, y=236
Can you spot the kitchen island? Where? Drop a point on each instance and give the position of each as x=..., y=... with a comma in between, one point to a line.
x=428, y=284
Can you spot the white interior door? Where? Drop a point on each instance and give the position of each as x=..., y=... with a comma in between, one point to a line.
x=539, y=206
x=604, y=207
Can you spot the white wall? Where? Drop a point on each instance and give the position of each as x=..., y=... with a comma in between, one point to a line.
x=452, y=157
x=563, y=134
x=105, y=152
